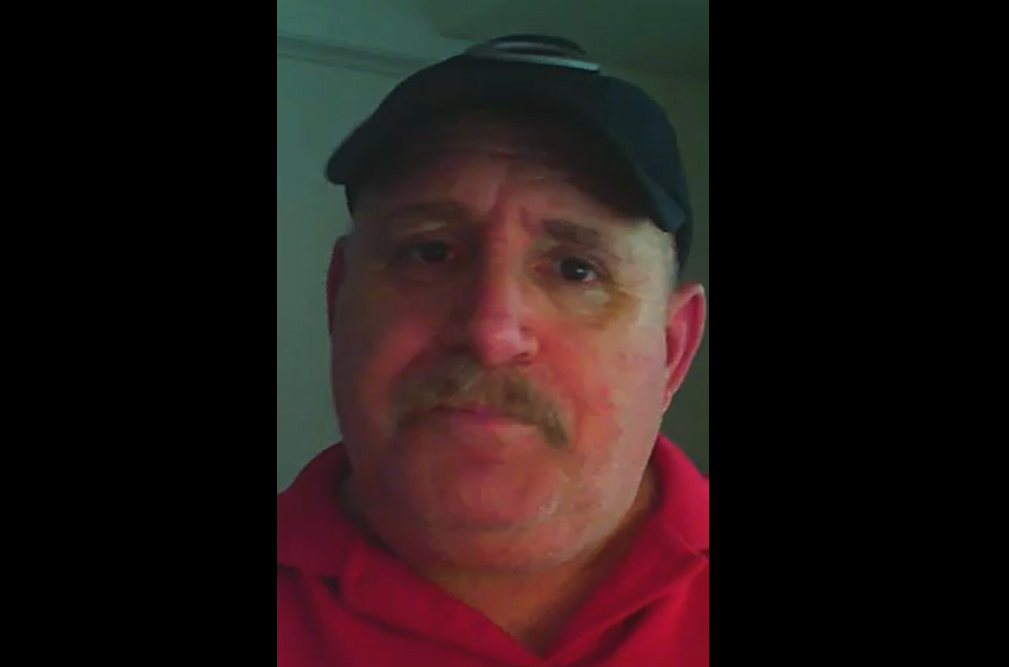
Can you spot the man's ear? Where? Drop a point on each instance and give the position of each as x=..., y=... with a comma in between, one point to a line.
x=334, y=278
x=685, y=325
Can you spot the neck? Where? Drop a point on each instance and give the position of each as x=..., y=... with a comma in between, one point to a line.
x=534, y=607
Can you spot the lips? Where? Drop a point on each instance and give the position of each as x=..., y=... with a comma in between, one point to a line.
x=474, y=412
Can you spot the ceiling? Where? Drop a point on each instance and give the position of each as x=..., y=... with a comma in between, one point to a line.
x=664, y=37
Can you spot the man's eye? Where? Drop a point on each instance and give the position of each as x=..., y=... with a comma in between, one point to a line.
x=577, y=270
x=427, y=252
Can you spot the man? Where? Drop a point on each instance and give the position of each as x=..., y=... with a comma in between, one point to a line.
x=508, y=326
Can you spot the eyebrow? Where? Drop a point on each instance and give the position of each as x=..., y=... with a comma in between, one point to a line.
x=445, y=211
x=561, y=231
x=573, y=233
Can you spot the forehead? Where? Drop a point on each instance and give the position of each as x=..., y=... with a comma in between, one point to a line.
x=552, y=145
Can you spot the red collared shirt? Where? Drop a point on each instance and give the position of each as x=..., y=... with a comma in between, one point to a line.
x=342, y=602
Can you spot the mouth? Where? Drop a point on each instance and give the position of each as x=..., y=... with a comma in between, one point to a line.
x=474, y=413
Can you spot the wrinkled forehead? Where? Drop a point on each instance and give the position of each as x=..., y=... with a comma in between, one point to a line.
x=547, y=140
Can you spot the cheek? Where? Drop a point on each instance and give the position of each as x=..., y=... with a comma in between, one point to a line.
x=618, y=386
x=377, y=335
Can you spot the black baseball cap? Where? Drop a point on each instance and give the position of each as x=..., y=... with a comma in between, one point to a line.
x=543, y=72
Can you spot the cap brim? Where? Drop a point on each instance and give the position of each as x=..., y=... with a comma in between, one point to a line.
x=573, y=95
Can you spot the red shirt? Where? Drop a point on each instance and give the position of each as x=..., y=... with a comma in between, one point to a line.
x=345, y=603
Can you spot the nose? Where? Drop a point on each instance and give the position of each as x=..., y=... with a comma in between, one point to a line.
x=496, y=317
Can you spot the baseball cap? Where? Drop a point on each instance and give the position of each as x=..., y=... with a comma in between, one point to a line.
x=539, y=71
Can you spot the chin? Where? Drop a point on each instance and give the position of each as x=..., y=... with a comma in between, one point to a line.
x=484, y=508
x=466, y=475
x=480, y=498
x=496, y=520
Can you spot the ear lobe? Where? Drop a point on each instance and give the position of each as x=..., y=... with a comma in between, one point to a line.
x=334, y=279
x=688, y=312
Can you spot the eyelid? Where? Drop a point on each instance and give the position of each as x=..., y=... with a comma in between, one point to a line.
x=598, y=264
x=401, y=247
x=593, y=254
x=408, y=236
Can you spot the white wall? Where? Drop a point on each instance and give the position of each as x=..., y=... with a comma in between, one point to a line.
x=316, y=105
x=394, y=26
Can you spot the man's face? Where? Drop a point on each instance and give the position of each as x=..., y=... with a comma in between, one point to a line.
x=505, y=343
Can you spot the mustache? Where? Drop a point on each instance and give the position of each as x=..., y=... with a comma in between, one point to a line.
x=463, y=382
